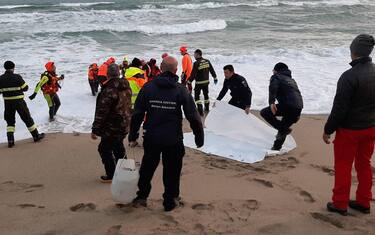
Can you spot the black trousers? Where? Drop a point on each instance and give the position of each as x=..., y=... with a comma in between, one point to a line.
x=172, y=165
x=94, y=85
x=19, y=106
x=197, y=98
x=237, y=103
x=111, y=150
x=289, y=116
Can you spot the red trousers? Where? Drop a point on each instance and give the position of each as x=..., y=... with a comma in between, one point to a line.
x=353, y=146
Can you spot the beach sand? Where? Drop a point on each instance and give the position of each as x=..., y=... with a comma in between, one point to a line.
x=53, y=188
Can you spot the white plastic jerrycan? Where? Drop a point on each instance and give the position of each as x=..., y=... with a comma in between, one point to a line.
x=124, y=182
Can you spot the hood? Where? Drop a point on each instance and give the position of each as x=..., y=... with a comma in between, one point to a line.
x=285, y=73
x=166, y=80
x=132, y=71
x=117, y=83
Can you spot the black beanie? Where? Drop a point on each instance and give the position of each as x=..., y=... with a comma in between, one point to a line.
x=9, y=65
x=280, y=67
x=136, y=63
x=362, y=45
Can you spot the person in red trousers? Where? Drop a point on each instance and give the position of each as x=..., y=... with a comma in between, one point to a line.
x=353, y=119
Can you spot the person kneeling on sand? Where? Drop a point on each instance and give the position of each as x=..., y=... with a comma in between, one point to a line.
x=353, y=119
x=161, y=100
x=284, y=89
x=112, y=120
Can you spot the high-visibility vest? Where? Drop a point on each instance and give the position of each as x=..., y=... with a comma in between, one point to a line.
x=137, y=79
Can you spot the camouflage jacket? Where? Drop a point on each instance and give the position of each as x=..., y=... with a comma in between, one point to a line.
x=113, y=110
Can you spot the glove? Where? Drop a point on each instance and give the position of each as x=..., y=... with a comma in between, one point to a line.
x=215, y=81
x=32, y=96
x=199, y=140
x=62, y=77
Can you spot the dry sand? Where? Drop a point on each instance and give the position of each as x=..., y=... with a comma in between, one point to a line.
x=53, y=188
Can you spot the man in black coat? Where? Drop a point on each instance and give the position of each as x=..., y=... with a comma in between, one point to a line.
x=353, y=119
x=239, y=89
x=284, y=89
x=162, y=101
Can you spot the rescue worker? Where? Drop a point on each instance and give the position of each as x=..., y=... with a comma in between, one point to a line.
x=124, y=66
x=12, y=86
x=239, y=89
x=136, y=77
x=93, y=78
x=162, y=100
x=200, y=74
x=112, y=120
x=49, y=85
x=187, y=66
x=102, y=73
x=284, y=89
x=353, y=119
x=155, y=71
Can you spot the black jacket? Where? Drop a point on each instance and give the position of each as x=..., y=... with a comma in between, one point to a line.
x=354, y=103
x=12, y=86
x=200, y=73
x=161, y=100
x=284, y=89
x=239, y=89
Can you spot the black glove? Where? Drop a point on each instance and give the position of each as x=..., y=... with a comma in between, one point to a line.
x=62, y=77
x=199, y=140
x=32, y=96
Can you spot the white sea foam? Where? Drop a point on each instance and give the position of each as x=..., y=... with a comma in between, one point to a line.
x=14, y=6
x=84, y=4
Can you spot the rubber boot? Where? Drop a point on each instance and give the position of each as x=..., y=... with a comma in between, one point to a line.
x=36, y=136
x=52, y=114
x=10, y=136
x=200, y=109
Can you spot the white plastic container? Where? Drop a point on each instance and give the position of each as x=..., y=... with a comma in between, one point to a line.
x=124, y=182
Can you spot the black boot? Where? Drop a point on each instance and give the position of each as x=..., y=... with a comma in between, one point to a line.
x=356, y=206
x=331, y=207
x=200, y=109
x=52, y=114
x=36, y=136
x=10, y=136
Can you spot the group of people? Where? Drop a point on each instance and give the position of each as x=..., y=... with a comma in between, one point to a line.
x=136, y=93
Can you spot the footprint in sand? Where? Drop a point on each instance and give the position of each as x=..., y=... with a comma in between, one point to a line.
x=325, y=169
x=307, y=197
x=83, y=207
x=263, y=182
x=114, y=230
x=201, y=206
x=277, y=228
x=328, y=219
x=23, y=206
x=11, y=186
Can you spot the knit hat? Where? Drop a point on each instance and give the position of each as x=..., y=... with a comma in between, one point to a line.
x=362, y=45
x=136, y=63
x=9, y=65
x=113, y=71
x=280, y=67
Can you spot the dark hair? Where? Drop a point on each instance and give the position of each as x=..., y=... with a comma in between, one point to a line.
x=9, y=65
x=198, y=52
x=229, y=67
x=136, y=63
x=280, y=67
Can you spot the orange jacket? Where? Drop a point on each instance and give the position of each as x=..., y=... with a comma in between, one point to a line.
x=187, y=65
x=103, y=69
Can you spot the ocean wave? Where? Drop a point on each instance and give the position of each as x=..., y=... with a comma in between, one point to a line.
x=14, y=6
x=84, y=4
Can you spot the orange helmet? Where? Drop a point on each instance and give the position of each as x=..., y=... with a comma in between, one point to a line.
x=49, y=66
x=165, y=54
x=111, y=60
x=94, y=66
x=183, y=49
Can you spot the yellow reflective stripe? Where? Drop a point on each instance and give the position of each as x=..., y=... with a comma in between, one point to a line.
x=24, y=85
x=206, y=101
x=11, y=128
x=202, y=82
x=199, y=102
x=49, y=100
x=10, y=89
x=32, y=128
x=14, y=97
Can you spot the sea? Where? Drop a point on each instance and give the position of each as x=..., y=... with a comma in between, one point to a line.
x=311, y=36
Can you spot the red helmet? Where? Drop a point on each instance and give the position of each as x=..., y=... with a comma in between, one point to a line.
x=111, y=60
x=183, y=49
x=49, y=66
x=165, y=54
x=94, y=66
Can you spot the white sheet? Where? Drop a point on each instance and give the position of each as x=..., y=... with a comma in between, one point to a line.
x=232, y=134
